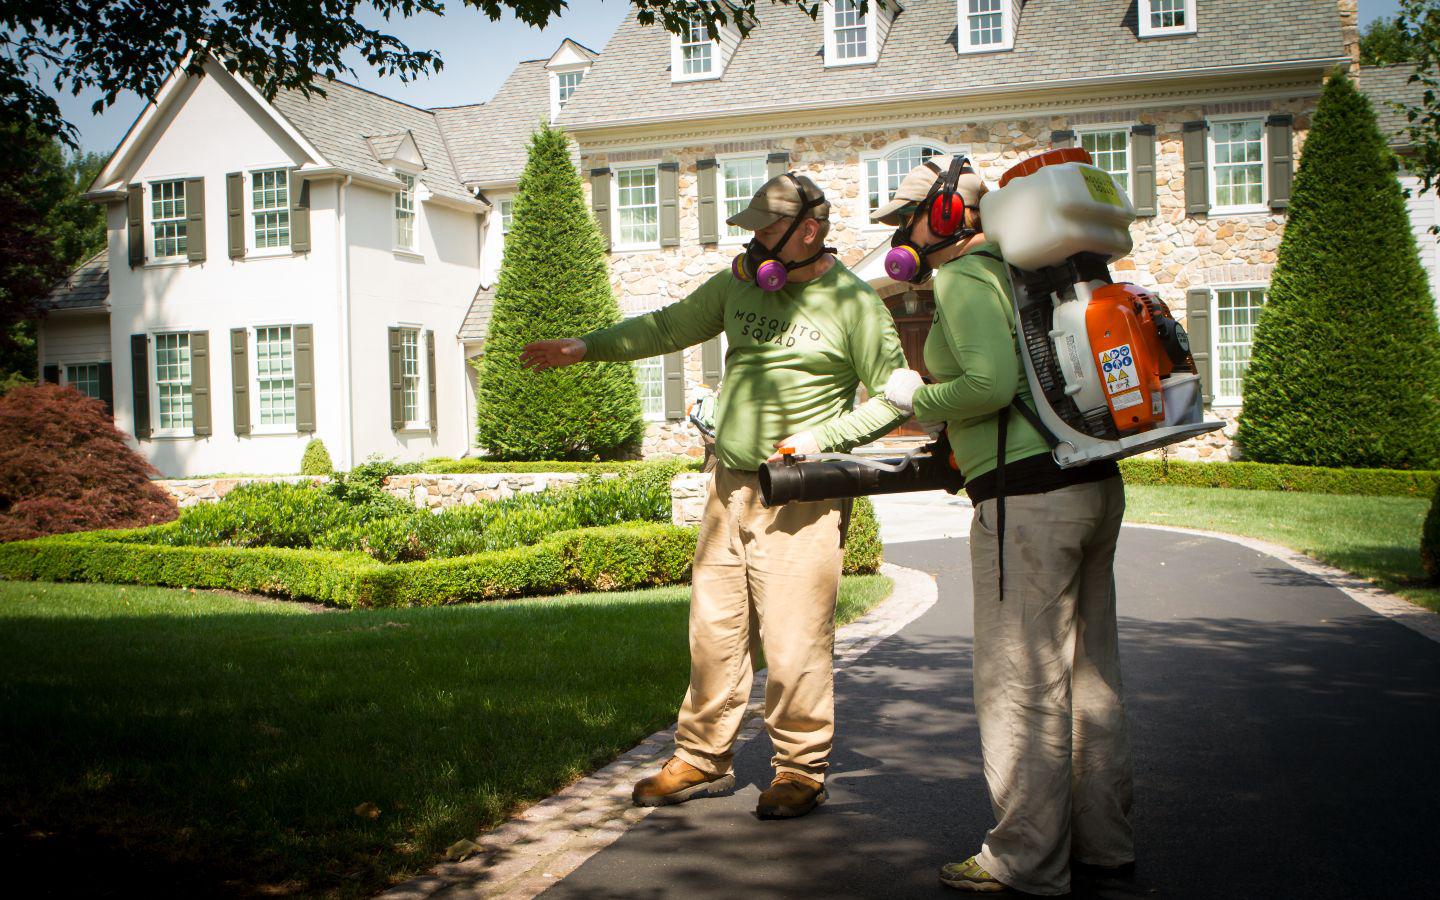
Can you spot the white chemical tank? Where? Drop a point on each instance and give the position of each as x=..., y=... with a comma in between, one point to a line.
x=1061, y=206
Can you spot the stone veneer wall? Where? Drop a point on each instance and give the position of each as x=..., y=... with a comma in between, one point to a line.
x=424, y=491
x=1173, y=250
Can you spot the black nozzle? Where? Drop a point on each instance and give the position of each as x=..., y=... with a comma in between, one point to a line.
x=801, y=481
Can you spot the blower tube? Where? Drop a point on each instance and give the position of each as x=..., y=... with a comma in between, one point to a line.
x=831, y=476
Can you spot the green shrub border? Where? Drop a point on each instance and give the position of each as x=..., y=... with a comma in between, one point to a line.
x=1253, y=476
x=445, y=466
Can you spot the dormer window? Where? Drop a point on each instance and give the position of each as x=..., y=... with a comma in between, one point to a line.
x=567, y=67
x=697, y=51
x=694, y=56
x=1159, y=18
x=853, y=37
x=987, y=25
x=565, y=85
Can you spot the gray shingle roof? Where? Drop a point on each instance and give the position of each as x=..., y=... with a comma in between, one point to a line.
x=489, y=140
x=383, y=146
x=1383, y=84
x=339, y=123
x=87, y=287
x=781, y=62
x=477, y=319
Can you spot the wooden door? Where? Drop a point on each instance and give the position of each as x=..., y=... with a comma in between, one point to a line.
x=913, y=323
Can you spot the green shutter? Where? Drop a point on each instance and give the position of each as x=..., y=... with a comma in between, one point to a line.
x=240, y=378
x=304, y=379
x=195, y=219
x=1142, y=169
x=107, y=387
x=1062, y=139
x=706, y=171
x=711, y=364
x=397, y=383
x=235, y=213
x=1197, y=326
x=600, y=202
x=135, y=223
x=430, y=381
x=299, y=213
x=1197, y=183
x=777, y=163
x=140, y=383
x=669, y=204
x=674, y=385
x=1278, y=134
x=200, y=381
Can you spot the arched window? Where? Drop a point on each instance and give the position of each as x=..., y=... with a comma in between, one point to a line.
x=883, y=174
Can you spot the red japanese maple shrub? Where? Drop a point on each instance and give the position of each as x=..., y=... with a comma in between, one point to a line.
x=65, y=467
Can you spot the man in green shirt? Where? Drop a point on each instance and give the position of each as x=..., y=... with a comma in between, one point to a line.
x=796, y=356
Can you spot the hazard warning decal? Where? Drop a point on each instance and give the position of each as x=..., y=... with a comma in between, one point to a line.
x=1125, y=401
x=1117, y=367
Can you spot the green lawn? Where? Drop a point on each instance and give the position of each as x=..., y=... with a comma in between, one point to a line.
x=222, y=744
x=1377, y=537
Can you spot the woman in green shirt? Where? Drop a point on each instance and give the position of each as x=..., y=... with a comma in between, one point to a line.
x=1042, y=545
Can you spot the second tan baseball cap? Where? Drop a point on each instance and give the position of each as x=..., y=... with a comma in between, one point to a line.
x=916, y=187
x=782, y=197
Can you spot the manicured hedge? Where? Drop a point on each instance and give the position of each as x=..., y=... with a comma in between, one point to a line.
x=1269, y=477
x=446, y=466
x=863, y=551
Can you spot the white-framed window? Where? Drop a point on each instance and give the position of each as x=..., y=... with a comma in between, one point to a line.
x=270, y=209
x=85, y=378
x=411, y=378
x=697, y=51
x=1235, y=311
x=1237, y=165
x=637, y=207
x=850, y=31
x=985, y=25
x=174, y=403
x=740, y=178
x=405, y=212
x=1159, y=18
x=853, y=37
x=566, y=83
x=275, y=376
x=650, y=379
x=167, y=220
x=506, y=206
x=885, y=171
x=1109, y=148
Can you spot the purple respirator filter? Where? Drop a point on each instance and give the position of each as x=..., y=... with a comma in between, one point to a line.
x=771, y=276
x=902, y=263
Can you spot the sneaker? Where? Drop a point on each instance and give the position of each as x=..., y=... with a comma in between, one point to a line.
x=679, y=781
x=969, y=876
x=790, y=796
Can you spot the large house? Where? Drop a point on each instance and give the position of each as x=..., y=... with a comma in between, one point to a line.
x=351, y=275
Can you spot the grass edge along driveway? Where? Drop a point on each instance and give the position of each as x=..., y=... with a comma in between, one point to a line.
x=214, y=744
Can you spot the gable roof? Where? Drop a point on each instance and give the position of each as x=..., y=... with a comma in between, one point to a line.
x=476, y=326
x=1386, y=84
x=87, y=287
x=780, y=64
x=490, y=140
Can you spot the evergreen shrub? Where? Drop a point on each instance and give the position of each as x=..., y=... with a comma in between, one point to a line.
x=553, y=284
x=316, y=460
x=64, y=467
x=1345, y=367
x=1252, y=476
x=863, y=550
x=1430, y=540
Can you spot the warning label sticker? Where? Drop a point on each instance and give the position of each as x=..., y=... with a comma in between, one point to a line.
x=1117, y=368
x=1102, y=187
x=1125, y=401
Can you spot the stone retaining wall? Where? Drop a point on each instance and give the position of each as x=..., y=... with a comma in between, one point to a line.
x=425, y=491
x=188, y=492
x=687, y=498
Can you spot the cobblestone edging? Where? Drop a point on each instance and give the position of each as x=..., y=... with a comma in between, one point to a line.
x=554, y=837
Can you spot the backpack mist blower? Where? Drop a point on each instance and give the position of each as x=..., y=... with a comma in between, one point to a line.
x=1108, y=366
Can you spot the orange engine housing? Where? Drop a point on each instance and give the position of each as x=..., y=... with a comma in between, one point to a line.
x=1120, y=321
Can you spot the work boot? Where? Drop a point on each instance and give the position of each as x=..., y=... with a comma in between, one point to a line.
x=969, y=876
x=677, y=782
x=790, y=796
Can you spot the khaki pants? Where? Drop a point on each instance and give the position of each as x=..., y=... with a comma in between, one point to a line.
x=1047, y=686
x=776, y=571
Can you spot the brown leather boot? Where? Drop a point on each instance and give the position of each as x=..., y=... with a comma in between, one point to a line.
x=790, y=795
x=677, y=782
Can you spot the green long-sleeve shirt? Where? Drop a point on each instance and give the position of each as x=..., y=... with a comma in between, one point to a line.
x=973, y=355
x=795, y=360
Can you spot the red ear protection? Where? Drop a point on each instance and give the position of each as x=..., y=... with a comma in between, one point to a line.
x=947, y=209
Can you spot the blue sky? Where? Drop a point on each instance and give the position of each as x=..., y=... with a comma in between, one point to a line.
x=478, y=55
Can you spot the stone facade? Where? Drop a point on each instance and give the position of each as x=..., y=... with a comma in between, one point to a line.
x=434, y=492
x=1174, y=250
x=687, y=498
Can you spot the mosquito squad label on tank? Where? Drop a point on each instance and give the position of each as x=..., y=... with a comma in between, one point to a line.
x=1117, y=367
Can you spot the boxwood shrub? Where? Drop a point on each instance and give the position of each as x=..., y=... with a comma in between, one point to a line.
x=1272, y=477
x=863, y=551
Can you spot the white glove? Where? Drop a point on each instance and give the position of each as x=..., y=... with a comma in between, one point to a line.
x=933, y=429
x=900, y=389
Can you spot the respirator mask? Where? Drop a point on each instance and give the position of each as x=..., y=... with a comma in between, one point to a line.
x=944, y=209
x=762, y=264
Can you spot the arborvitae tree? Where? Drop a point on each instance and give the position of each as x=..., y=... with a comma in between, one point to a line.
x=553, y=284
x=316, y=460
x=1345, y=369
x=1430, y=540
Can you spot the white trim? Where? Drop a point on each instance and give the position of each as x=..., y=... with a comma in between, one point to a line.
x=153, y=364
x=65, y=368
x=1217, y=399
x=677, y=60
x=872, y=43
x=422, y=403
x=248, y=208
x=1243, y=209
x=616, y=246
x=727, y=239
x=1129, y=145
x=252, y=340
x=414, y=192
x=1146, y=30
x=862, y=220
x=962, y=29
x=554, y=78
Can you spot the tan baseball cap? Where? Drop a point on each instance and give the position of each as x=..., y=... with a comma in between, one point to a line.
x=917, y=185
x=780, y=198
